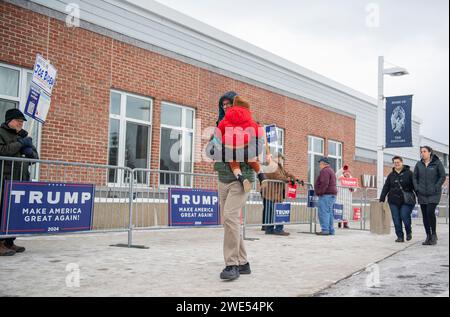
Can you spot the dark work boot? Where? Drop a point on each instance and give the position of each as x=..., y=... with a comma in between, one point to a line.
x=434, y=239
x=409, y=237
x=230, y=273
x=245, y=269
x=427, y=241
x=15, y=248
x=4, y=251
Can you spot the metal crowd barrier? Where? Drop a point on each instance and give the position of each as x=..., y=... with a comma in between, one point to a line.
x=126, y=200
x=260, y=208
x=112, y=199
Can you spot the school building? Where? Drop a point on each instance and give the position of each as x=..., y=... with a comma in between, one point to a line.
x=132, y=82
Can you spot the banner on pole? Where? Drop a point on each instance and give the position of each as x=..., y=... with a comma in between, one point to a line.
x=399, y=122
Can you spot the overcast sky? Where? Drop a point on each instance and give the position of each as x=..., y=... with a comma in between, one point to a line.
x=342, y=40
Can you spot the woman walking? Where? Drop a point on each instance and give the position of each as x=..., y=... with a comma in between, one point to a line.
x=429, y=176
x=400, y=188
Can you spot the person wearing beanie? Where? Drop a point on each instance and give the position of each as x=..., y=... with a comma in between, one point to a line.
x=14, y=142
x=237, y=130
x=232, y=200
x=345, y=196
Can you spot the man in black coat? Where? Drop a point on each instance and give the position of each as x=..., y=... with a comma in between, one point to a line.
x=14, y=142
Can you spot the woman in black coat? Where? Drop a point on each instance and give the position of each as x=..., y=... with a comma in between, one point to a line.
x=429, y=176
x=400, y=188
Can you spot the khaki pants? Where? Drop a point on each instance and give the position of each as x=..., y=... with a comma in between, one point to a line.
x=232, y=201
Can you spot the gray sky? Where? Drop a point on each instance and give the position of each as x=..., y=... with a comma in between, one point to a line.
x=340, y=40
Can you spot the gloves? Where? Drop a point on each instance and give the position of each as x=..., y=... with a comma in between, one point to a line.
x=26, y=142
x=27, y=151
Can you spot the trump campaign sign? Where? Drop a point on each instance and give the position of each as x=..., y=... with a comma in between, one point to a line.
x=283, y=213
x=349, y=182
x=46, y=208
x=193, y=207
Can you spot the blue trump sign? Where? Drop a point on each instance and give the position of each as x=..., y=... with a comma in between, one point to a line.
x=338, y=212
x=282, y=213
x=36, y=208
x=271, y=134
x=399, y=122
x=312, y=199
x=193, y=207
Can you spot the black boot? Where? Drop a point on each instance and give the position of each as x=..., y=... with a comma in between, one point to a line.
x=434, y=239
x=427, y=241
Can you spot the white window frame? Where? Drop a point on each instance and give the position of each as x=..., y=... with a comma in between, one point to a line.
x=123, y=119
x=183, y=130
x=276, y=144
x=339, y=158
x=21, y=101
x=312, y=162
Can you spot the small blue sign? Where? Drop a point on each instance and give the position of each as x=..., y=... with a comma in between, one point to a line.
x=193, y=207
x=282, y=213
x=38, y=208
x=271, y=134
x=338, y=212
x=313, y=200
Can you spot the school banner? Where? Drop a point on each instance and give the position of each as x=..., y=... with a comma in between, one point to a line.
x=399, y=122
x=38, y=208
x=193, y=207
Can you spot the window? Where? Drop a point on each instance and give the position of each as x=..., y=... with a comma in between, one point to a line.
x=315, y=153
x=335, y=154
x=278, y=146
x=14, y=88
x=130, y=122
x=446, y=160
x=177, y=144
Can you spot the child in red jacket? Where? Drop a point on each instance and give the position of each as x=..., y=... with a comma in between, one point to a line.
x=237, y=130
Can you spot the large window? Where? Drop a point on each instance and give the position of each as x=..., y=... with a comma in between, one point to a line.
x=177, y=144
x=278, y=146
x=129, y=135
x=14, y=88
x=315, y=152
x=335, y=154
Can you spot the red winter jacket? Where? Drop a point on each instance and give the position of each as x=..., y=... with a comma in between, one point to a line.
x=238, y=127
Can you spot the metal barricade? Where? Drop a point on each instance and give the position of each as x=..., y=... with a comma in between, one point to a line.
x=260, y=208
x=151, y=195
x=112, y=195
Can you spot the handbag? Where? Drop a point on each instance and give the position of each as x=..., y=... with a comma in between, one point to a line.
x=409, y=198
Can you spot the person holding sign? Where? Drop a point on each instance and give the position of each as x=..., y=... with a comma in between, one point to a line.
x=14, y=142
x=275, y=193
x=344, y=196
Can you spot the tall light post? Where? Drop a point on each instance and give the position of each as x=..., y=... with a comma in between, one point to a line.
x=396, y=72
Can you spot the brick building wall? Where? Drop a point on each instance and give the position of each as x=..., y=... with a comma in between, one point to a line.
x=90, y=65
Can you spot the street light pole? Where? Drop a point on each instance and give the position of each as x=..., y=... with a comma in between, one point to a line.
x=380, y=130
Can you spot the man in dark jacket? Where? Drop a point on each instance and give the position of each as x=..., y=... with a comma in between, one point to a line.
x=326, y=190
x=429, y=176
x=14, y=142
x=232, y=201
x=399, y=182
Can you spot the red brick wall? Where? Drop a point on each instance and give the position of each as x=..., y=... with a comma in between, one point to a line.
x=89, y=65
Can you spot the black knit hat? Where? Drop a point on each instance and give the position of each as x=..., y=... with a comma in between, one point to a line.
x=14, y=114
